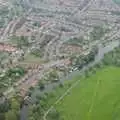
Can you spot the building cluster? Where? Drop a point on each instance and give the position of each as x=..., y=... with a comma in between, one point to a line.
x=47, y=26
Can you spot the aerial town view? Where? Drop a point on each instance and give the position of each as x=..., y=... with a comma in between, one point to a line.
x=59, y=59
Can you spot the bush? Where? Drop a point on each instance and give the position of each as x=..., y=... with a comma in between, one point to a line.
x=54, y=115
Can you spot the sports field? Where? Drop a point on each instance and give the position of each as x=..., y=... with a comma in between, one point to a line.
x=94, y=98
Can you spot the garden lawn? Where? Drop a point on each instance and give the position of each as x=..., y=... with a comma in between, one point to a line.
x=94, y=98
x=32, y=59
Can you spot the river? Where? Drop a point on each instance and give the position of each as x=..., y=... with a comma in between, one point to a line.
x=102, y=50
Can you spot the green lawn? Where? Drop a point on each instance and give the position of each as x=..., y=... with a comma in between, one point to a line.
x=32, y=59
x=94, y=98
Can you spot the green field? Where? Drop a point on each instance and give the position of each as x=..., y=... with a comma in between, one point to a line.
x=94, y=98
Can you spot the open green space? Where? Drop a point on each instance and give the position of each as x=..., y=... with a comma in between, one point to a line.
x=29, y=58
x=94, y=98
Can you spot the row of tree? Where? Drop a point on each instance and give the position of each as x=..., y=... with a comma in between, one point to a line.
x=82, y=60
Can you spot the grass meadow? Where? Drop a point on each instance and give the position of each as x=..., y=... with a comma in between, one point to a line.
x=94, y=98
